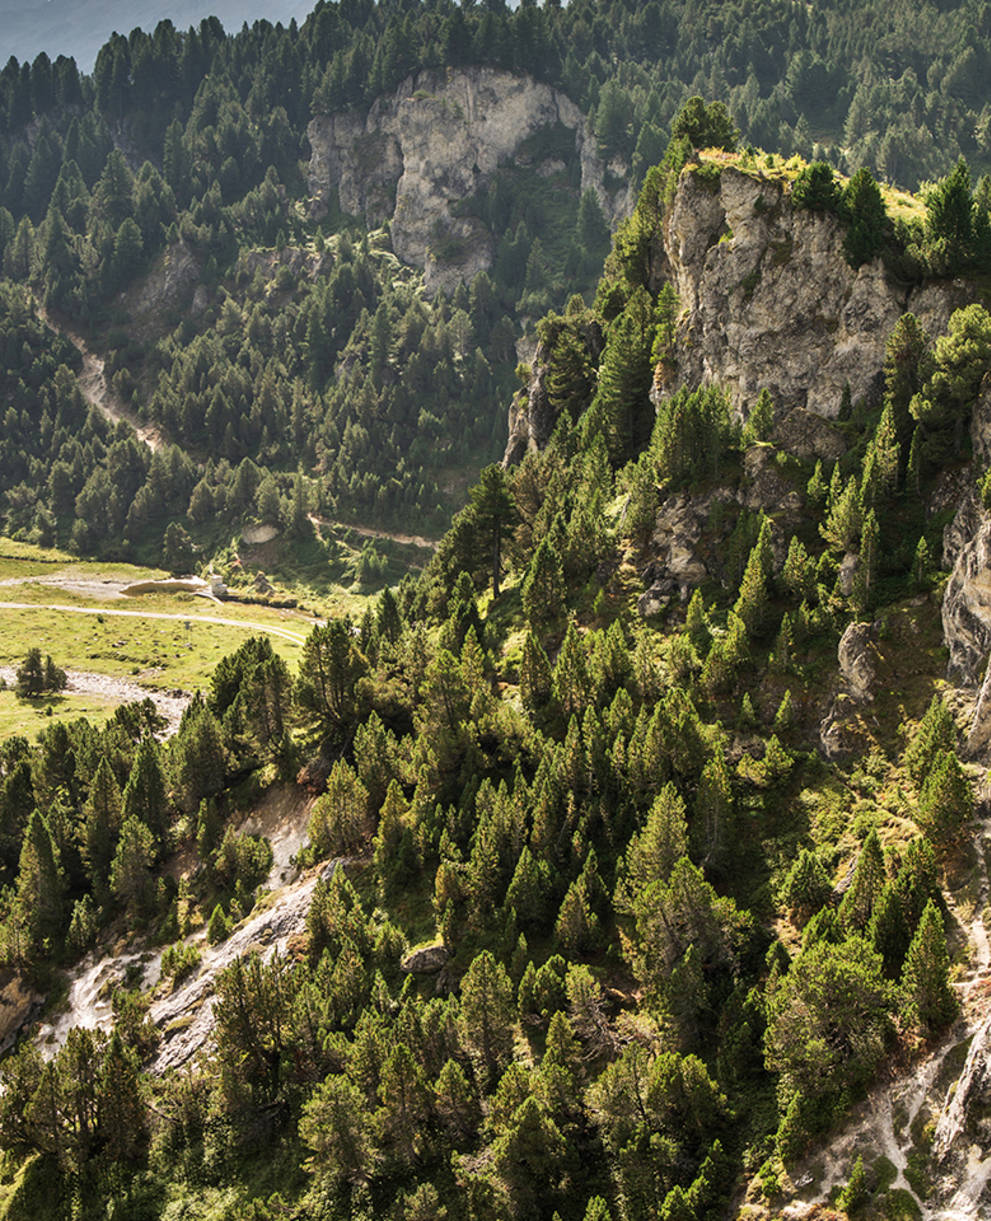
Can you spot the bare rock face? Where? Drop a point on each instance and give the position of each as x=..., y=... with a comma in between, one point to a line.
x=427, y=960
x=967, y=600
x=857, y=656
x=769, y=300
x=421, y=151
x=18, y=1004
x=967, y=553
x=168, y=288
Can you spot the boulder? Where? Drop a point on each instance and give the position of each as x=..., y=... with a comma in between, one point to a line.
x=858, y=657
x=425, y=959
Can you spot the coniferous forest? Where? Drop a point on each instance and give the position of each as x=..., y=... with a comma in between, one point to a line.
x=637, y=822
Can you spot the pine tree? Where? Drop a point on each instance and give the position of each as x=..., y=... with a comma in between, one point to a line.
x=843, y=521
x=865, y=582
x=101, y=825
x=798, y=574
x=947, y=800
x=868, y=220
x=865, y=887
x=697, y=622
x=713, y=824
x=760, y=421
x=144, y=796
x=922, y=567
x=935, y=732
x=888, y=930
x=817, y=488
x=543, y=586
x=576, y=925
x=40, y=885
x=572, y=689
x=929, y=1000
x=855, y=1195
x=625, y=377
x=535, y=676
x=130, y=877
x=486, y=1018
x=807, y=886
x=752, y=603
x=653, y=851
x=494, y=512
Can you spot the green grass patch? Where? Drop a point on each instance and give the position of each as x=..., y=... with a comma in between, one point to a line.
x=29, y=716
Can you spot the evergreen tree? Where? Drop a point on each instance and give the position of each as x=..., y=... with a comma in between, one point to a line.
x=929, y=999
x=936, y=732
x=40, y=885
x=144, y=795
x=868, y=220
x=947, y=800
x=543, y=586
x=486, y=1020
x=807, y=886
x=494, y=512
x=865, y=886
x=760, y=421
x=101, y=825
x=130, y=877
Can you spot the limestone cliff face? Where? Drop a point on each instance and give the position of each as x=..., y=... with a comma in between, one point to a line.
x=767, y=297
x=967, y=554
x=422, y=150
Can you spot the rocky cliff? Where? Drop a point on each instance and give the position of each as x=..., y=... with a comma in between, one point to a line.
x=767, y=297
x=421, y=151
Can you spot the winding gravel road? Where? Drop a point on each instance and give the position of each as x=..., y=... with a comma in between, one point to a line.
x=247, y=624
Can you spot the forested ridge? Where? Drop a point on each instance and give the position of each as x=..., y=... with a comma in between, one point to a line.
x=190, y=147
x=622, y=897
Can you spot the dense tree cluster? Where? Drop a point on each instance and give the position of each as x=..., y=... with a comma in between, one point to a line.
x=663, y=975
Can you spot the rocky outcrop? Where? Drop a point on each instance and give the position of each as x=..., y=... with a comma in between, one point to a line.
x=768, y=299
x=167, y=290
x=679, y=565
x=857, y=656
x=426, y=959
x=420, y=152
x=532, y=416
x=967, y=553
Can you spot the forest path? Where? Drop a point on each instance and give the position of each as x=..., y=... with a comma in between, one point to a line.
x=408, y=540
x=95, y=389
x=248, y=624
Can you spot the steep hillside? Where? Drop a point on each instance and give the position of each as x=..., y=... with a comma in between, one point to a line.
x=624, y=864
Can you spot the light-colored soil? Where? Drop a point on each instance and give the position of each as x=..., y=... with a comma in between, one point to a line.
x=282, y=817
x=102, y=588
x=95, y=389
x=170, y=705
x=409, y=540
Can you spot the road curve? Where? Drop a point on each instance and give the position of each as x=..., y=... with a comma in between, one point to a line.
x=248, y=625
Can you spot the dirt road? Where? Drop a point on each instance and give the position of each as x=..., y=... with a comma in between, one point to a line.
x=248, y=625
